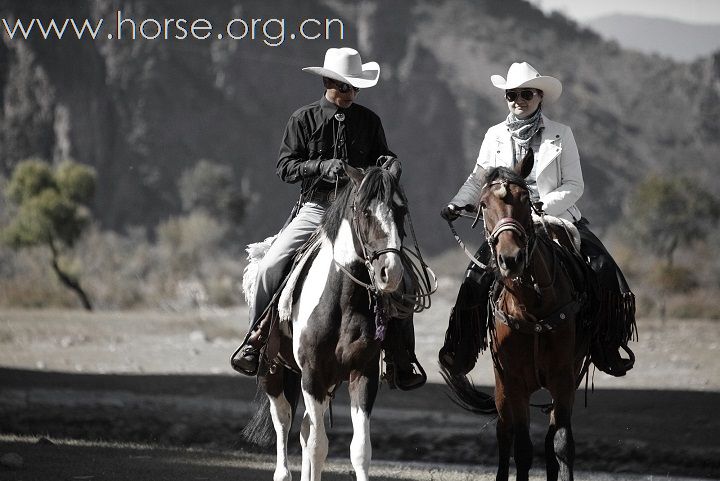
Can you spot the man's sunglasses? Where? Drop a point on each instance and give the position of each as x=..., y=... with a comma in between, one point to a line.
x=343, y=87
x=526, y=94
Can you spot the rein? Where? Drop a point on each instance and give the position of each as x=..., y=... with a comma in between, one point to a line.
x=423, y=279
x=460, y=242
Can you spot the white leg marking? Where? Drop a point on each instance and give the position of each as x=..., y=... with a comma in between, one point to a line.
x=304, y=436
x=360, y=446
x=317, y=441
x=281, y=413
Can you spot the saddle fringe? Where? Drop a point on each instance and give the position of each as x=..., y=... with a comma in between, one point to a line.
x=466, y=335
x=255, y=253
x=615, y=319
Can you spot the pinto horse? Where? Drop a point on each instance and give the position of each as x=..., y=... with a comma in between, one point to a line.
x=538, y=337
x=334, y=301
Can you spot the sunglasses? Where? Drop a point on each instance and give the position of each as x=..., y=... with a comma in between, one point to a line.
x=525, y=94
x=343, y=87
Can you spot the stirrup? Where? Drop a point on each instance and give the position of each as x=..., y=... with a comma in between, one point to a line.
x=236, y=358
x=627, y=364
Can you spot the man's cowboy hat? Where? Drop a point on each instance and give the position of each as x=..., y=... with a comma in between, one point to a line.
x=344, y=65
x=524, y=75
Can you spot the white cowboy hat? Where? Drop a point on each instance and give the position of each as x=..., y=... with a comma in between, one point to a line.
x=344, y=65
x=524, y=75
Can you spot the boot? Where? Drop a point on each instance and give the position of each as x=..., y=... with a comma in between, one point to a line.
x=246, y=358
x=608, y=359
x=402, y=369
x=466, y=334
x=404, y=377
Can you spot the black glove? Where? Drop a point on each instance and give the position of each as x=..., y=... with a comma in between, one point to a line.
x=332, y=169
x=391, y=164
x=450, y=212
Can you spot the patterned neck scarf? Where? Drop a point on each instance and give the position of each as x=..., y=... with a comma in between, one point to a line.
x=522, y=130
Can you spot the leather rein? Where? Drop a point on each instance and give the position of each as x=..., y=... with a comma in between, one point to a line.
x=421, y=274
x=367, y=255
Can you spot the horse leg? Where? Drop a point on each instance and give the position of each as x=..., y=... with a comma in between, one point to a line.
x=552, y=466
x=523, y=444
x=504, y=431
x=363, y=390
x=281, y=413
x=559, y=442
x=513, y=429
x=304, y=436
x=313, y=437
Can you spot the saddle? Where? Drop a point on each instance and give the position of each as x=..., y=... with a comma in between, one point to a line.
x=273, y=334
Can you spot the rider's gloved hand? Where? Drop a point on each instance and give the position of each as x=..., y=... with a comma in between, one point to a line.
x=385, y=161
x=450, y=212
x=332, y=169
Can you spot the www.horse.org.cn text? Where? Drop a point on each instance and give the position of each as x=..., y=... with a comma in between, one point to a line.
x=272, y=32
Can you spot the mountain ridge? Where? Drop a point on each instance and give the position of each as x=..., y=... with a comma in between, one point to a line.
x=142, y=112
x=681, y=41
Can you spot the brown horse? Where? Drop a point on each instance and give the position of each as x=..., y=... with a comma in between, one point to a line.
x=538, y=338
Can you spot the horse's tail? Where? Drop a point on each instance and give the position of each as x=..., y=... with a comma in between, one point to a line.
x=260, y=430
x=464, y=393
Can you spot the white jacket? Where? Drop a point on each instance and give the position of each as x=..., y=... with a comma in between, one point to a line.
x=559, y=176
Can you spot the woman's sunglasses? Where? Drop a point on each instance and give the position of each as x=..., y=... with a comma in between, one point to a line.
x=343, y=87
x=526, y=94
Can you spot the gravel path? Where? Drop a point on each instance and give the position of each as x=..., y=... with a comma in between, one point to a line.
x=163, y=379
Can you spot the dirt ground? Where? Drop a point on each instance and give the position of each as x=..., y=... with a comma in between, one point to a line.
x=164, y=377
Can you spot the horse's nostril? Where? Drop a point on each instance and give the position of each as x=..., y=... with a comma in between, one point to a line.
x=503, y=261
x=508, y=262
x=384, y=274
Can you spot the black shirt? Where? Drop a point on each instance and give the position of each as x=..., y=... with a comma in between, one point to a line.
x=314, y=133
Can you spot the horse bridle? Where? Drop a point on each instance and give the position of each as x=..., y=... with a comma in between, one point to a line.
x=367, y=256
x=508, y=224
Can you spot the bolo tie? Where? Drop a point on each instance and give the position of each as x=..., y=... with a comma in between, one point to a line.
x=340, y=145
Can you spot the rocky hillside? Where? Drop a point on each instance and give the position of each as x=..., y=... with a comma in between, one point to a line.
x=142, y=111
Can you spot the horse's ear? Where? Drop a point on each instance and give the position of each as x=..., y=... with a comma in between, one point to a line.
x=395, y=168
x=356, y=175
x=525, y=166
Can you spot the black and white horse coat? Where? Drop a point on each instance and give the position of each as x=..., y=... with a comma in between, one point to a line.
x=354, y=259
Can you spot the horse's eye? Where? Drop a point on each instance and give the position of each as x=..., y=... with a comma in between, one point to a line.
x=367, y=213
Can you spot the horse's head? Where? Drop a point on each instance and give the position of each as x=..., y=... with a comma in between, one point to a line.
x=507, y=214
x=377, y=217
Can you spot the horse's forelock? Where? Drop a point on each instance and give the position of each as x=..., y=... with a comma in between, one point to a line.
x=378, y=185
x=503, y=173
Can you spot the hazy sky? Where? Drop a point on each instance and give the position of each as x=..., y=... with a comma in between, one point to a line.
x=692, y=11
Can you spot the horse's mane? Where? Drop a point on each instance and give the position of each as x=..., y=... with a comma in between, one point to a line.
x=378, y=184
x=503, y=173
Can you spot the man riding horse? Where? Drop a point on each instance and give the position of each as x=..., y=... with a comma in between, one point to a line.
x=320, y=138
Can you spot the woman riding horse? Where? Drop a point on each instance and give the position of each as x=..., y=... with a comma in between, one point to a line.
x=556, y=181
